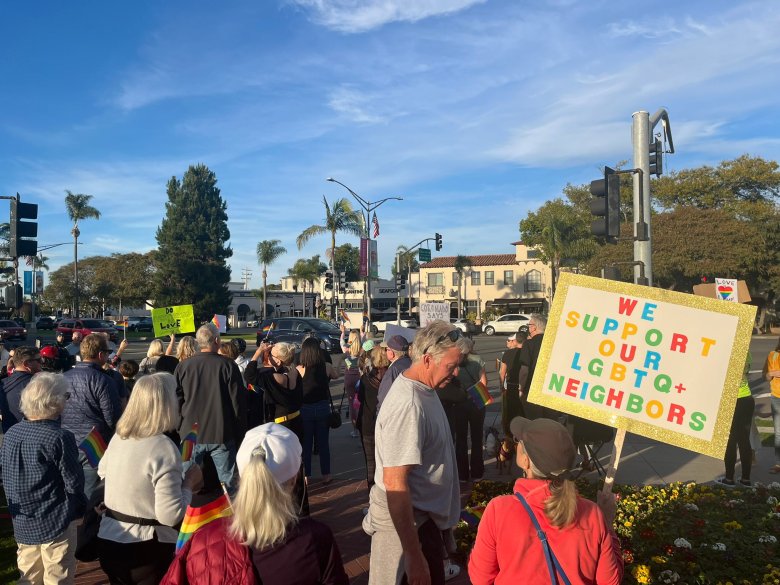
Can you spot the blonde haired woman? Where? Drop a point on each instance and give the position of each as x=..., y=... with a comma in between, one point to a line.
x=187, y=348
x=352, y=350
x=579, y=532
x=145, y=495
x=148, y=365
x=374, y=370
x=264, y=540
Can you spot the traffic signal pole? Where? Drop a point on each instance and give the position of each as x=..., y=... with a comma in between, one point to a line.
x=641, y=138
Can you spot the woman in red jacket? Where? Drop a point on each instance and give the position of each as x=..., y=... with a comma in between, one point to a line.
x=264, y=541
x=579, y=532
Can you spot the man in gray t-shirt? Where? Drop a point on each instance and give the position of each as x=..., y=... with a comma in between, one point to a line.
x=416, y=494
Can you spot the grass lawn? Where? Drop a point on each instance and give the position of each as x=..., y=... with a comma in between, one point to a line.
x=8, y=571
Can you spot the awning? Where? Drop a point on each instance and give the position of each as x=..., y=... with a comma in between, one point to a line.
x=519, y=305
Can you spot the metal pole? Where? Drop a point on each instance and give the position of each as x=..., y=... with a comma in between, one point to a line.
x=640, y=134
x=398, y=288
x=32, y=294
x=368, y=266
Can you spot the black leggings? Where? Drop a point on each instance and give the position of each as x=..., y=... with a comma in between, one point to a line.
x=739, y=437
x=135, y=563
x=466, y=419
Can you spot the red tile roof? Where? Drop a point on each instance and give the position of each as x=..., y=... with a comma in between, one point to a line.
x=486, y=260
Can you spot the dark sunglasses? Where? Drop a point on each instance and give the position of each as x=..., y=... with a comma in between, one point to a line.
x=453, y=336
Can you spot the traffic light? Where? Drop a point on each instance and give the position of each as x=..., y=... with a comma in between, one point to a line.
x=605, y=205
x=400, y=281
x=12, y=296
x=438, y=242
x=656, y=158
x=328, y=280
x=19, y=229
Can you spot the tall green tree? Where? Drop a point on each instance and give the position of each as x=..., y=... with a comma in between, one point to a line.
x=304, y=272
x=339, y=217
x=268, y=251
x=409, y=262
x=347, y=260
x=560, y=233
x=461, y=264
x=78, y=208
x=192, y=246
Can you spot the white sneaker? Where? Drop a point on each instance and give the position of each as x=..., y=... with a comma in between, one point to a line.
x=450, y=571
x=355, y=434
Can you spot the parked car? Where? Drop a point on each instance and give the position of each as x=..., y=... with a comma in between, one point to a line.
x=45, y=323
x=140, y=324
x=506, y=324
x=251, y=323
x=378, y=326
x=467, y=327
x=11, y=330
x=85, y=327
x=20, y=322
x=294, y=329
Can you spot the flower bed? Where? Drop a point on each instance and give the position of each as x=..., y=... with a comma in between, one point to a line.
x=678, y=533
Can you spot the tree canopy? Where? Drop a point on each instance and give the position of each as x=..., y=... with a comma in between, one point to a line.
x=347, y=259
x=192, y=246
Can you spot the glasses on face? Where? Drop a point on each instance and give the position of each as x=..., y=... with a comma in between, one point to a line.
x=452, y=335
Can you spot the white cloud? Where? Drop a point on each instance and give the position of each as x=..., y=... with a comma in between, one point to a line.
x=354, y=105
x=359, y=16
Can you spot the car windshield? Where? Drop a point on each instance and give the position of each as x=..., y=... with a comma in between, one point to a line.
x=322, y=325
x=8, y=324
x=108, y=324
x=92, y=324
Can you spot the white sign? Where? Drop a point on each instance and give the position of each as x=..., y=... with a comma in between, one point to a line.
x=434, y=311
x=726, y=289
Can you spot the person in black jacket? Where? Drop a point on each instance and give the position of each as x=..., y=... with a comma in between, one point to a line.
x=211, y=393
x=27, y=363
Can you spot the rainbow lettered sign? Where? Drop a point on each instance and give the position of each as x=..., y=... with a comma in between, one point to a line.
x=658, y=363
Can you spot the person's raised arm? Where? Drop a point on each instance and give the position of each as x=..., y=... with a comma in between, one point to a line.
x=171, y=344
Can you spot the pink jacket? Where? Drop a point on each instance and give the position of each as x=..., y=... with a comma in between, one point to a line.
x=507, y=549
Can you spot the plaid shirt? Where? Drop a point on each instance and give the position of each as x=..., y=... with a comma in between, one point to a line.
x=43, y=480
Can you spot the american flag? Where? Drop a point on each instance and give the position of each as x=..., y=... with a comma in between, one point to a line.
x=375, y=223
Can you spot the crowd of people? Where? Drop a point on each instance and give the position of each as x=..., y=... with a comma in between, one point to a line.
x=259, y=421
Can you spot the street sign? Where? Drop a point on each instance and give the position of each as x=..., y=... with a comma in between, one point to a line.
x=425, y=254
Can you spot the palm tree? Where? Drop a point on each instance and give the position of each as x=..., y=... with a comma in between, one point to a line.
x=267, y=253
x=306, y=272
x=78, y=208
x=461, y=263
x=339, y=217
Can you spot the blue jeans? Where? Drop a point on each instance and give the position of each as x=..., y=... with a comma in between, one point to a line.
x=315, y=423
x=775, y=402
x=224, y=457
x=91, y=479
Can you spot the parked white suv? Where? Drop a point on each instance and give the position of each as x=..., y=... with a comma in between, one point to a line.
x=506, y=324
x=377, y=326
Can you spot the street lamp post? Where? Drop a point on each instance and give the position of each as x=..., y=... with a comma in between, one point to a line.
x=368, y=207
x=34, y=290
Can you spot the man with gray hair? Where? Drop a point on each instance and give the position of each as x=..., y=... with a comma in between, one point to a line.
x=44, y=484
x=211, y=393
x=416, y=495
x=529, y=355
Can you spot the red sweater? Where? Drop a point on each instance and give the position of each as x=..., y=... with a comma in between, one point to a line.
x=508, y=550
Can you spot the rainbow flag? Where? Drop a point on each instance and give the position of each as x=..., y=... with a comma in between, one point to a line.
x=266, y=328
x=479, y=395
x=194, y=518
x=189, y=442
x=344, y=317
x=93, y=447
x=472, y=516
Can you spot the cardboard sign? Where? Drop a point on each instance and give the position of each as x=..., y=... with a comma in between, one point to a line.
x=662, y=364
x=433, y=311
x=178, y=319
x=711, y=290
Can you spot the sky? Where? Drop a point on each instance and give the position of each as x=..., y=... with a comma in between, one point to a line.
x=475, y=112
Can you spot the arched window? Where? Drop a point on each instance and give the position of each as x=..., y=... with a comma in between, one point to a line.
x=533, y=281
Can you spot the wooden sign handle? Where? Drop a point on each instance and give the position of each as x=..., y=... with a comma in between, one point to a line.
x=614, y=459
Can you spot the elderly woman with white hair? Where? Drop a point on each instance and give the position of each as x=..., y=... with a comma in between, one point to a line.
x=148, y=365
x=264, y=540
x=579, y=540
x=145, y=495
x=43, y=483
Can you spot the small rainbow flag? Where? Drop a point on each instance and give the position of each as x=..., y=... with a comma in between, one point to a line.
x=189, y=442
x=215, y=320
x=344, y=317
x=93, y=446
x=194, y=518
x=267, y=328
x=479, y=395
x=472, y=516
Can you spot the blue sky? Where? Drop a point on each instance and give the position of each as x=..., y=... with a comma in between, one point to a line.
x=474, y=111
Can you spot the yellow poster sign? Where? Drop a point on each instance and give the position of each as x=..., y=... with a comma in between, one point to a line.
x=659, y=363
x=178, y=319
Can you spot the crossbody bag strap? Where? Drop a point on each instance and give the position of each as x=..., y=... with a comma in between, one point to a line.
x=549, y=555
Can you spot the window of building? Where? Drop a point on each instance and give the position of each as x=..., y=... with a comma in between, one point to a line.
x=489, y=278
x=435, y=279
x=475, y=278
x=533, y=281
x=455, y=279
x=532, y=254
x=509, y=277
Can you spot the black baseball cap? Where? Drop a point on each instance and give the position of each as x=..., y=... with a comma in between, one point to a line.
x=548, y=444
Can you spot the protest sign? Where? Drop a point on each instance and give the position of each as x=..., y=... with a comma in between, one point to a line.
x=404, y=332
x=178, y=319
x=220, y=322
x=659, y=363
x=433, y=311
